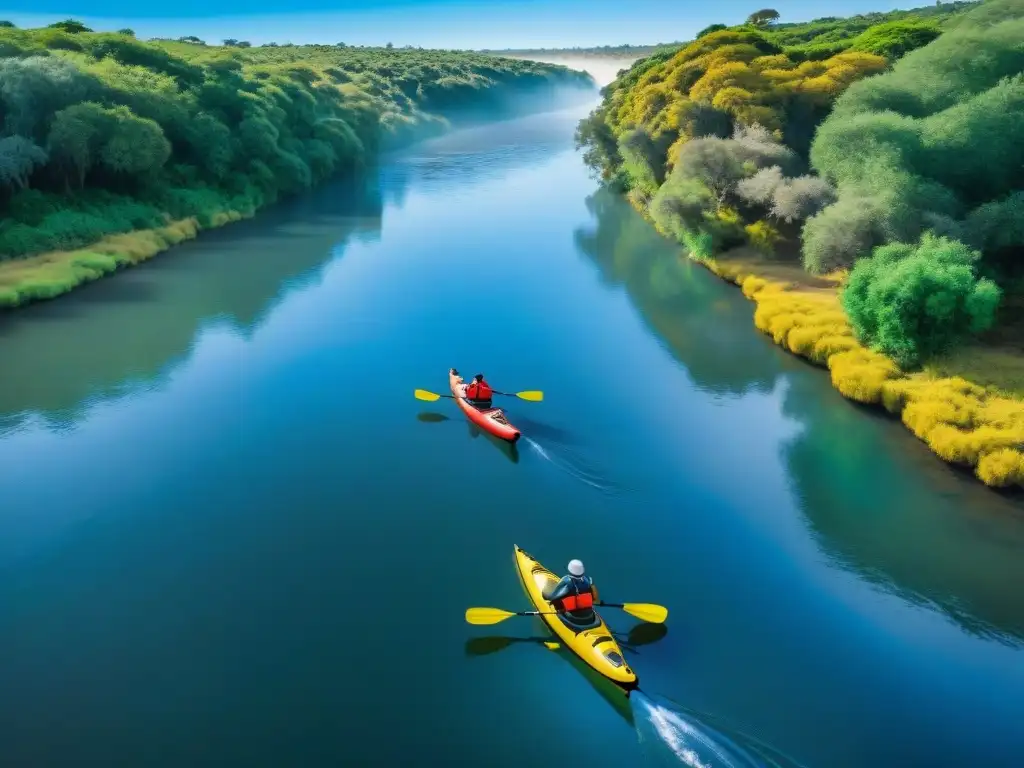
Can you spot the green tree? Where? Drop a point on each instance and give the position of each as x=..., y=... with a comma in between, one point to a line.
x=184, y=131
x=211, y=144
x=33, y=88
x=997, y=229
x=714, y=163
x=895, y=39
x=915, y=301
x=763, y=18
x=18, y=158
x=135, y=146
x=71, y=26
x=76, y=136
x=641, y=160
x=126, y=32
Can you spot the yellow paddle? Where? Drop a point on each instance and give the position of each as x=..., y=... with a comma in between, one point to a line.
x=483, y=616
x=655, y=614
x=534, y=396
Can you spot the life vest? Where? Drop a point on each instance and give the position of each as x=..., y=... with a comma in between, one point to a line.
x=577, y=602
x=479, y=391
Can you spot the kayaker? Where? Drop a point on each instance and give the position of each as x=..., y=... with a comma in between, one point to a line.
x=479, y=392
x=574, y=596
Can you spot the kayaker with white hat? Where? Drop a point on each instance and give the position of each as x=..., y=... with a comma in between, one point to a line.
x=574, y=596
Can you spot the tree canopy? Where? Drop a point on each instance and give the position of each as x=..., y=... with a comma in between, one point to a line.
x=103, y=133
x=763, y=18
x=889, y=143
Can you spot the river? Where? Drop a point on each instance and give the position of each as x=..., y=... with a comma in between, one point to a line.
x=230, y=536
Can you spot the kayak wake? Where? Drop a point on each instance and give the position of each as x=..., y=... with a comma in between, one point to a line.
x=670, y=735
x=576, y=469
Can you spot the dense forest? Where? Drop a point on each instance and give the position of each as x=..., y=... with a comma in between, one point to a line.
x=840, y=137
x=883, y=152
x=103, y=133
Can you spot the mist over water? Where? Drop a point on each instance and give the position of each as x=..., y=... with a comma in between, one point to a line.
x=603, y=69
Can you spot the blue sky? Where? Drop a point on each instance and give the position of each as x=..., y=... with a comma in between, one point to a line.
x=429, y=23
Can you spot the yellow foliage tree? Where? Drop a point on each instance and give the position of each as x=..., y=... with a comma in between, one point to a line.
x=740, y=74
x=732, y=98
x=733, y=74
x=729, y=53
x=775, y=61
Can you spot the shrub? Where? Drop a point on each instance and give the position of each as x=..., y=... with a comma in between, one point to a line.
x=763, y=236
x=713, y=162
x=640, y=160
x=839, y=235
x=760, y=188
x=895, y=39
x=997, y=228
x=787, y=199
x=916, y=301
x=801, y=198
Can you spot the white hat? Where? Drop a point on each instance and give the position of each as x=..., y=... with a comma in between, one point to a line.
x=576, y=568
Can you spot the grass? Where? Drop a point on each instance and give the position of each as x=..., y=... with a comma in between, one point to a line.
x=49, y=275
x=968, y=408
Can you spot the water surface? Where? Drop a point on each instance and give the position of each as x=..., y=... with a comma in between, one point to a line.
x=229, y=535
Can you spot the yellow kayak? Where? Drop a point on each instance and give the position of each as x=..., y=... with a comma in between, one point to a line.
x=594, y=645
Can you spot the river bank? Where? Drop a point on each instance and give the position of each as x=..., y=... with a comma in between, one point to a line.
x=777, y=147
x=180, y=136
x=51, y=274
x=968, y=409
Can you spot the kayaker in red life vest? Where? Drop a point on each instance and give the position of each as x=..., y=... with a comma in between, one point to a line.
x=574, y=596
x=479, y=392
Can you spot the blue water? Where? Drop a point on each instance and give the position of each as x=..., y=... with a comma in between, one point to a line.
x=230, y=536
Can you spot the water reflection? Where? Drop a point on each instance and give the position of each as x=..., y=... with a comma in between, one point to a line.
x=687, y=312
x=481, y=646
x=879, y=503
x=957, y=547
x=127, y=334
x=119, y=335
x=509, y=450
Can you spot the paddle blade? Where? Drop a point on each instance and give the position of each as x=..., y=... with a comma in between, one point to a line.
x=551, y=646
x=534, y=396
x=655, y=614
x=422, y=394
x=486, y=615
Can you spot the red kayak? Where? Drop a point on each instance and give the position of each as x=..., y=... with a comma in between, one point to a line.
x=488, y=419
